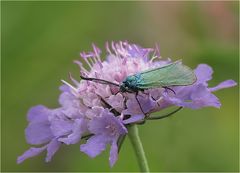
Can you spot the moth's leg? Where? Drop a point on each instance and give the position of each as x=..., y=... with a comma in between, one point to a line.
x=155, y=101
x=146, y=114
x=139, y=103
x=151, y=97
x=164, y=116
x=114, y=111
x=117, y=92
x=142, y=91
x=145, y=93
x=167, y=88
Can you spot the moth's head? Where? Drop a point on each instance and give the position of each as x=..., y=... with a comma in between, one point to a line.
x=126, y=87
x=123, y=87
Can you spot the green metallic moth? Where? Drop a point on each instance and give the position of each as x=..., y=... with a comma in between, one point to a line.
x=174, y=74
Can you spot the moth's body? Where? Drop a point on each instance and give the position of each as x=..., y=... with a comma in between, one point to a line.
x=174, y=74
x=131, y=83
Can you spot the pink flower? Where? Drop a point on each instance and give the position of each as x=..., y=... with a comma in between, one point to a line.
x=100, y=112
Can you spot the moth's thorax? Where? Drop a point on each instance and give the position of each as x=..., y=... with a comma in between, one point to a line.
x=130, y=84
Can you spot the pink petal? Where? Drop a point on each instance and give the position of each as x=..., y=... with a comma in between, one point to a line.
x=224, y=84
x=30, y=153
x=53, y=146
x=113, y=153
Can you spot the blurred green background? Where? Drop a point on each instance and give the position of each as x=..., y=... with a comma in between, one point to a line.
x=41, y=39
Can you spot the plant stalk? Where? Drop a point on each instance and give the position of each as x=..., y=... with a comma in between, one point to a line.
x=138, y=148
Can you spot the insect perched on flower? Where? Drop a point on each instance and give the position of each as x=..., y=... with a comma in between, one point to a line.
x=174, y=74
x=101, y=114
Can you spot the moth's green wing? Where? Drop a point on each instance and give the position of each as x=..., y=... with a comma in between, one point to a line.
x=175, y=74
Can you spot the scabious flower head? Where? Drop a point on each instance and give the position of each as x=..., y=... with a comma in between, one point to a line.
x=99, y=113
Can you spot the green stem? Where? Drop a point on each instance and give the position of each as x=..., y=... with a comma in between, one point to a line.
x=138, y=148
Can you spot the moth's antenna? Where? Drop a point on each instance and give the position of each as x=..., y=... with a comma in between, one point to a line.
x=101, y=81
